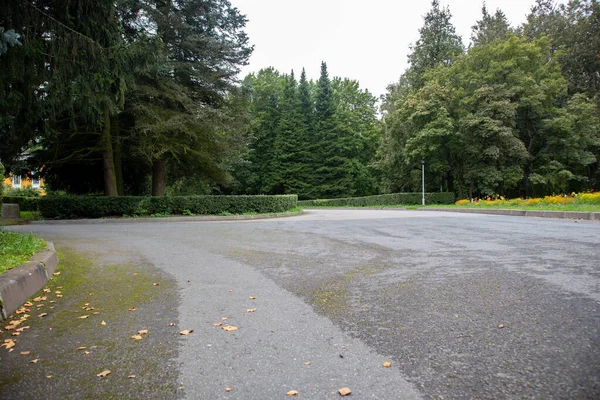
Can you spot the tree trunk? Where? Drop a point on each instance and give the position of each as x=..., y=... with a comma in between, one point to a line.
x=116, y=135
x=158, y=178
x=110, y=181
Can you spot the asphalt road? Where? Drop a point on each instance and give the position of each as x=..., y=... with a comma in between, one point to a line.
x=463, y=306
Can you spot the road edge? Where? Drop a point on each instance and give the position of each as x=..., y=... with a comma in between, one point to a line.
x=589, y=216
x=22, y=282
x=168, y=219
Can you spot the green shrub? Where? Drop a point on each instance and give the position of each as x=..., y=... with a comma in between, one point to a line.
x=25, y=203
x=2, y=170
x=64, y=207
x=382, y=200
x=22, y=192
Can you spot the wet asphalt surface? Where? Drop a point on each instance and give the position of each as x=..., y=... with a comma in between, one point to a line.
x=463, y=306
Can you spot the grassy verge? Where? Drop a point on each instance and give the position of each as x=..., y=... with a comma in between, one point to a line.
x=561, y=207
x=17, y=248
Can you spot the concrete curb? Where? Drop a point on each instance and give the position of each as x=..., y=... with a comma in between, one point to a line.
x=590, y=216
x=169, y=219
x=20, y=283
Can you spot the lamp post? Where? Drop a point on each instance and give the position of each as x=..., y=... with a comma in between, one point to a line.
x=423, y=181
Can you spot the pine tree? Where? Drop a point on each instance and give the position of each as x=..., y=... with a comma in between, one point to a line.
x=490, y=27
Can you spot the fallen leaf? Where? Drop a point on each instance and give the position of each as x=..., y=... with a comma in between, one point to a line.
x=231, y=291
x=172, y=324
x=218, y=324
x=57, y=292
x=25, y=353
x=134, y=274
x=11, y=350
x=102, y=323
x=230, y=328
x=155, y=284
x=28, y=304
x=56, y=274
x=15, y=323
x=16, y=333
x=307, y=363
x=132, y=309
x=47, y=290
x=9, y=327
x=131, y=376
x=344, y=391
x=81, y=348
x=500, y=326
x=103, y=373
x=186, y=332
x=250, y=310
x=252, y=297
x=228, y=390
x=143, y=332
x=34, y=361
x=42, y=314
x=59, y=296
x=387, y=364
x=84, y=317
x=49, y=376
x=95, y=313
x=136, y=337
x=224, y=319
x=292, y=393
x=86, y=352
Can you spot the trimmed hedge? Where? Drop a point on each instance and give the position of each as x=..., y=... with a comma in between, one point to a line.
x=65, y=207
x=382, y=200
x=25, y=203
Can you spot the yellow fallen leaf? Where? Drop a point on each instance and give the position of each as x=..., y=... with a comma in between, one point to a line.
x=292, y=393
x=387, y=364
x=252, y=297
x=59, y=296
x=103, y=373
x=16, y=333
x=136, y=337
x=56, y=274
x=228, y=390
x=84, y=317
x=131, y=376
x=47, y=290
x=344, y=391
x=186, y=332
x=34, y=361
x=9, y=327
x=95, y=313
x=143, y=332
x=25, y=353
x=250, y=310
x=155, y=284
x=172, y=324
x=307, y=363
x=224, y=319
x=102, y=323
x=230, y=328
x=81, y=348
x=49, y=376
x=131, y=309
x=86, y=352
x=15, y=323
x=28, y=304
x=218, y=324
x=42, y=314
x=57, y=292
x=500, y=326
x=135, y=273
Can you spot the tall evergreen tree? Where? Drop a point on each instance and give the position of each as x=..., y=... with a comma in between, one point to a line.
x=490, y=27
x=438, y=44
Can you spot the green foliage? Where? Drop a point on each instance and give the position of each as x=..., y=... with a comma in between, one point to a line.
x=382, y=200
x=65, y=207
x=22, y=192
x=1, y=179
x=17, y=248
x=25, y=203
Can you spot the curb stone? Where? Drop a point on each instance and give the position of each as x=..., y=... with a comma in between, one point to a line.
x=589, y=216
x=20, y=283
x=168, y=219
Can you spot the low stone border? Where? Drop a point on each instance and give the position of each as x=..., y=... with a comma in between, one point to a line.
x=590, y=216
x=20, y=283
x=168, y=219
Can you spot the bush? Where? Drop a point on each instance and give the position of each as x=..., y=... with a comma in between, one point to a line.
x=2, y=170
x=25, y=203
x=22, y=192
x=64, y=207
x=382, y=200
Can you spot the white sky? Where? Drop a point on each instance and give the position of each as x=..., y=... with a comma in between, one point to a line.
x=365, y=40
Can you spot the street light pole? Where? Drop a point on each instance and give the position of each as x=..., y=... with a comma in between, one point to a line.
x=423, y=181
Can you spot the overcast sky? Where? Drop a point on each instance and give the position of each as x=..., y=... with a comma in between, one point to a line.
x=366, y=40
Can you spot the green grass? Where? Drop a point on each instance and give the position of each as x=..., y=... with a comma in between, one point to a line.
x=558, y=207
x=17, y=248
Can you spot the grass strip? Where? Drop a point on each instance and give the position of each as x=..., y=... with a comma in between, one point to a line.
x=17, y=248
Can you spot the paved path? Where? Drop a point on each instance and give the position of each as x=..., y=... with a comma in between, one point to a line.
x=349, y=289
